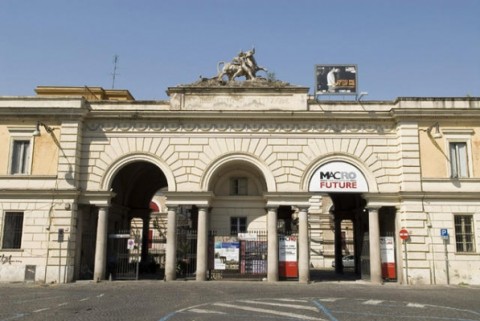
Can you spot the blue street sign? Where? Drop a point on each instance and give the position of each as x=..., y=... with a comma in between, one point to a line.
x=444, y=233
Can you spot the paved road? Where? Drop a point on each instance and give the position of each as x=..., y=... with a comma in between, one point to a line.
x=233, y=300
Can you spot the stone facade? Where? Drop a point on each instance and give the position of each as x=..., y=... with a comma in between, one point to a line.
x=102, y=156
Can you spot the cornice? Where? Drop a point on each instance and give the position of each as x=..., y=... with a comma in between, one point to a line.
x=39, y=193
x=242, y=126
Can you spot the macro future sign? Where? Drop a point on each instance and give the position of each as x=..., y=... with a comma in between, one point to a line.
x=338, y=177
x=336, y=79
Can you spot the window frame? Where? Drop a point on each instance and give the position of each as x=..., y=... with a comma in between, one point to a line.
x=236, y=189
x=456, y=164
x=21, y=134
x=15, y=237
x=235, y=221
x=455, y=136
x=462, y=235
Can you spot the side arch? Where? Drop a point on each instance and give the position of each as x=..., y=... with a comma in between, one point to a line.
x=371, y=180
x=237, y=157
x=117, y=165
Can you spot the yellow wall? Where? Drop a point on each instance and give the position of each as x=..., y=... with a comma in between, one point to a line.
x=5, y=148
x=435, y=156
x=44, y=155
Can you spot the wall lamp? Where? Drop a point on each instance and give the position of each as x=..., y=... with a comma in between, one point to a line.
x=436, y=133
x=36, y=132
x=360, y=95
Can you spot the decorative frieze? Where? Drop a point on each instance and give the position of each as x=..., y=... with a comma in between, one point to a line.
x=242, y=127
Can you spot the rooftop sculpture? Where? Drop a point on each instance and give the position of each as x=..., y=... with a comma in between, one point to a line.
x=244, y=64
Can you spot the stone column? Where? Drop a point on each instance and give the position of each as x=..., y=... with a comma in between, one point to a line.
x=374, y=237
x=101, y=245
x=145, y=234
x=272, y=274
x=202, y=244
x=171, y=254
x=338, y=245
x=303, y=247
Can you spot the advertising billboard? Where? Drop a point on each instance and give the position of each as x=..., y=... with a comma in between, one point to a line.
x=336, y=79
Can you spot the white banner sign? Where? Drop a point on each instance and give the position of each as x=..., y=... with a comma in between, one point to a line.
x=338, y=177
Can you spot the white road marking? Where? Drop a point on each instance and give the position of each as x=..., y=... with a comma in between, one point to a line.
x=373, y=302
x=100, y=295
x=290, y=300
x=273, y=312
x=84, y=299
x=41, y=310
x=415, y=305
x=205, y=311
x=293, y=306
x=329, y=299
x=62, y=304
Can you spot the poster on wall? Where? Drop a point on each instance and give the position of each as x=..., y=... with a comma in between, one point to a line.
x=338, y=177
x=287, y=256
x=226, y=254
x=335, y=79
x=387, y=257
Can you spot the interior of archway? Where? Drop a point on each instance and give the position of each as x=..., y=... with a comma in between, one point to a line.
x=238, y=188
x=238, y=221
x=337, y=233
x=137, y=209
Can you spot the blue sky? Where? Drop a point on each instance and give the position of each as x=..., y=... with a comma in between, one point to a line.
x=402, y=48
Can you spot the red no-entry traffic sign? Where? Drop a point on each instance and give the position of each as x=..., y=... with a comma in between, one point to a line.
x=403, y=234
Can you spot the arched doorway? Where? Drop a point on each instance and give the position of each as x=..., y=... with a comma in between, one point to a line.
x=342, y=185
x=135, y=238
x=238, y=236
x=349, y=225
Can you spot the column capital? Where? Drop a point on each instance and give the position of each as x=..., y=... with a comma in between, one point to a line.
x=373, y=208
x=172, y=208
x=302, y=208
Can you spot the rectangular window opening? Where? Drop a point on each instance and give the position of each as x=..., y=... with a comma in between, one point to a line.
x=238, y=186
x=458, y=160
x=238, y=225
x=20, y=157
x=13, y=230
x=464, y=235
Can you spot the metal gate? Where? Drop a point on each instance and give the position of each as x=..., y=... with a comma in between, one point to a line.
x=186, y=253
x=123, y=258
x=239, y=255
x=365, y=257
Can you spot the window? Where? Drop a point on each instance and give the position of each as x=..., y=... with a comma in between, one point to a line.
x=12, y=230
x=238, y=186
x=20, y=157
x=458, y=159
x=238, y=225
x=464, y=233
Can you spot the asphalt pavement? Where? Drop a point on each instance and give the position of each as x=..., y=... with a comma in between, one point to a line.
x=157, y=300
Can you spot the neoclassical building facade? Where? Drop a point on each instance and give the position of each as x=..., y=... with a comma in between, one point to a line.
x=238, y=179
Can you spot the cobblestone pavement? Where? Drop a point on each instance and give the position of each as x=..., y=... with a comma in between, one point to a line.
x=234, y=300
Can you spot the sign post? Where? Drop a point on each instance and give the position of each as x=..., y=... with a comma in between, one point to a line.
x=404, y=236
x=61, y=237
x=445, y=237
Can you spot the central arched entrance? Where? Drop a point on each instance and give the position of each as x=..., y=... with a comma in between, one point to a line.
x=349, y=227
x=137, y=222
x=363, y=234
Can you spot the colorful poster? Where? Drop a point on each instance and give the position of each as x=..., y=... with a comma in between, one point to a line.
x=287, y=256
x=226, y=255
x=387, y=257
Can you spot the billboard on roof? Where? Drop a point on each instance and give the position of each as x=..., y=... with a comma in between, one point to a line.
x=335, y=79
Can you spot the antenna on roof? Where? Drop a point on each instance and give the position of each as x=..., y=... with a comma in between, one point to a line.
x=114, y=74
